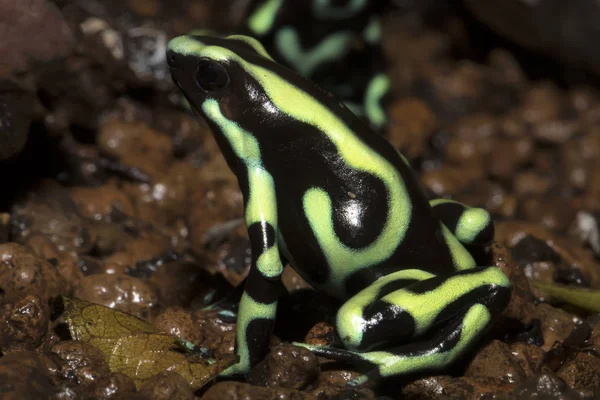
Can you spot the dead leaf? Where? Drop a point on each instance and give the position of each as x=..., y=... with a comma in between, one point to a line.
x=136, y=348
x=588, y=299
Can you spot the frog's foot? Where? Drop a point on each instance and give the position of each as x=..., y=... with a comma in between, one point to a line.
x=435, y=353
x=437, y=320
x=234, y=372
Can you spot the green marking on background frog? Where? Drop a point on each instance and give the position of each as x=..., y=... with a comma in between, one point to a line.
x=261, y=21
x=289, y=45
x=372, y=32
x=377, y=88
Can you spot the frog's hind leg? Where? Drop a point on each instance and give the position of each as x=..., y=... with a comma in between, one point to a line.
x=470, y=225
x=460, y=307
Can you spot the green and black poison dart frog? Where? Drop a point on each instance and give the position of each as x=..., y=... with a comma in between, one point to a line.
x=334, y=44
x=335, y=200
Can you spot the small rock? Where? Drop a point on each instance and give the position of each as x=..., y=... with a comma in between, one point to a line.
x=167, y=386
x=476, y=388
x=108, y=387
x=322, y=334
x=495, y=360
x=520, y=306
x=122, y=292
x=544, y=386
x=508, y=155
x=556, y=131
x=25, y=375
x=428, y=388
x=449, y=180
x=411, y=125
x=238, y=391
x=581, y=373
x=81, y=362
x=22, y=273
x=528, y=356
x=25, y=324
x=134, y=144
x=4, y=227
x=102, y=202
x=180, y=323
x=541, y=103
x=556, y=324
x=286, y=366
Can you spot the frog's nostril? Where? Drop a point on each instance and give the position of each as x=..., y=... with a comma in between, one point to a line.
x=172, y=58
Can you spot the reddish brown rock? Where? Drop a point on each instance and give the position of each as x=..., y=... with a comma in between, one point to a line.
x=25, y=324
x=22, y=273
x=286, y=366
x=167, y=386
x=122, y=292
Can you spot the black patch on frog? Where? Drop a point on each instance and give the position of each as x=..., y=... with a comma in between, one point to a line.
x=389, y=324
x=258, y=336
x=258, y=233
x=262, y=289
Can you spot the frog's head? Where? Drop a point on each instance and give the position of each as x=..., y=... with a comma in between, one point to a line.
x=211, y=69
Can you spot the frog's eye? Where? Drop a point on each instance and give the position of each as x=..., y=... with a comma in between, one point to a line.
x=211, y=76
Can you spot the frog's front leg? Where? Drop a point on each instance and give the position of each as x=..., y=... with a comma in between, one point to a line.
x=256, y=313
x=459, y=307
x=470, y=225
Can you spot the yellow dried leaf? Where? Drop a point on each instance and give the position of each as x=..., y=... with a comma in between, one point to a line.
x=136, y=348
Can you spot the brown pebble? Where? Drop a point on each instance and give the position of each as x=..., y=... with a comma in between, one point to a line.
x=556, y=131
x=80, y=362
x=556, y=324
x=167, y=386
x=102, y=202
x=4, y=227
x=212, y=207
x=545, y=385
x=429, y=388
x=292, y=280
x=541, y=103
x=122, y=292
x=552, y=212
x=25, y=375
x=244, y=391
x=108, y=387
x=508, y=155
x=322, y=334
x=476, y=388
x=581, y=373
x=144, y=8
x=411, y=125
x=180, y=282
x=25, y=324
x=507, y=67
x=520, y=306
x=134, y=144
x=22, y=273
x=180, y=323
x=449, y=180
x=494, y=360
x=531, y=183
x=528, y=356
x=286, y=366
